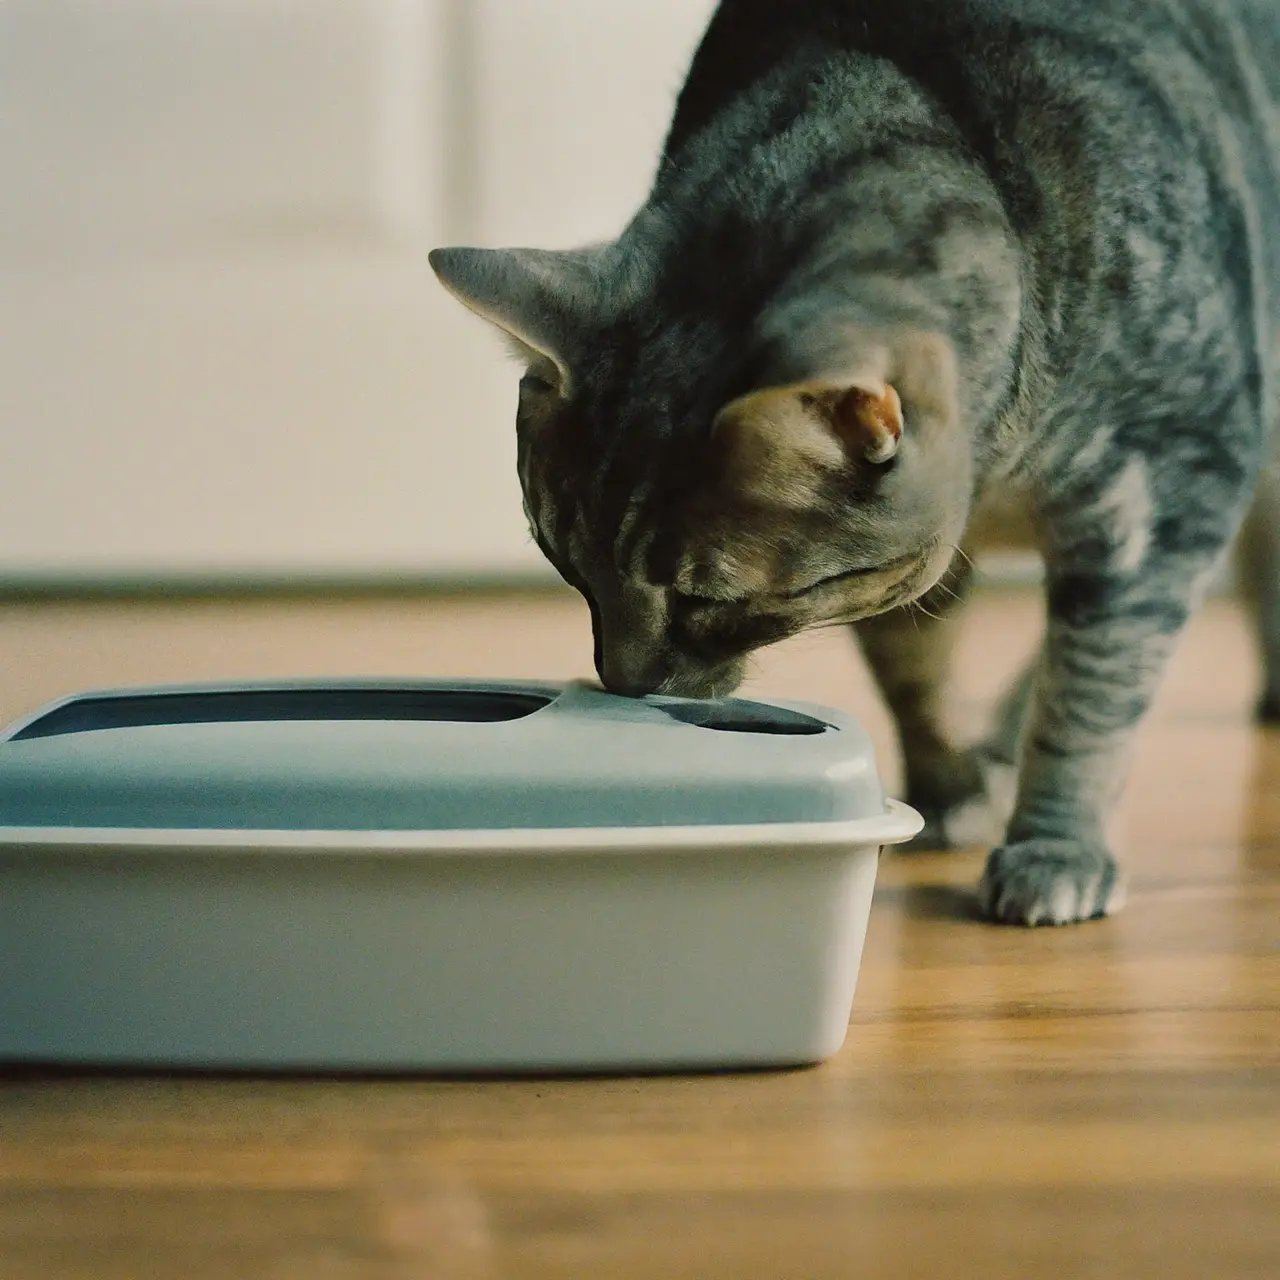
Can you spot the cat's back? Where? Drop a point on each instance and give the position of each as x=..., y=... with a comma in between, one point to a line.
x=1132, y=102
x=973, y=54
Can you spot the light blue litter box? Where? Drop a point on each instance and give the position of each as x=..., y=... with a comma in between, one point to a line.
x=433, y=876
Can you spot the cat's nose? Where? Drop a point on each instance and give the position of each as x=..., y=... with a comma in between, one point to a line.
x=630, y=688
x=629, y=679
x=631, y=654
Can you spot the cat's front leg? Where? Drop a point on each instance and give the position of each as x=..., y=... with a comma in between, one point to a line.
x=1114, y=616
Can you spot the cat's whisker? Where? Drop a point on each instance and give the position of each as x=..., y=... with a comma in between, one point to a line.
x=917, y=608
x=947, y=589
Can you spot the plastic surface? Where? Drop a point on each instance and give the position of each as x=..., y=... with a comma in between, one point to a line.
x=562, y=880
x=420, y=755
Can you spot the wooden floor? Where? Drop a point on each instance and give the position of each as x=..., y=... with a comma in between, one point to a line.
x=1097, y=1102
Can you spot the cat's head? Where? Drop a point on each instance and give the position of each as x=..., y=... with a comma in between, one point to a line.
x=710, y=490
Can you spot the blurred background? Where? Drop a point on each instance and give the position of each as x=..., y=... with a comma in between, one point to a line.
x=245, y=434
x=223, y=357
x=243, y=430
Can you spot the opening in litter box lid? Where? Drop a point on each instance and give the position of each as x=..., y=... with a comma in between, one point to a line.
x=135, y=711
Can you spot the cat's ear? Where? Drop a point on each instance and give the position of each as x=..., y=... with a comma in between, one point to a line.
x=781, y=441
x=787, y=438
x=538, y=298
x=865, y=415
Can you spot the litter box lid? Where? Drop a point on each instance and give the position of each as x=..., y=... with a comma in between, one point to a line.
x=418, y=755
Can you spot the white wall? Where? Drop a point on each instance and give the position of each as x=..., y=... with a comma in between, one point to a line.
x=222, y=353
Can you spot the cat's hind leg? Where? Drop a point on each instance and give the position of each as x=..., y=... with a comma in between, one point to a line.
x=1004, y=737
x=959, y=792
x=1258, y=568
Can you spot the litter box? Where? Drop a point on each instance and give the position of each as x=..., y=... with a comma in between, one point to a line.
x=433, y=877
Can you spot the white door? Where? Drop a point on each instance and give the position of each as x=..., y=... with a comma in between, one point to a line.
x=572, y=101
x=222, y=353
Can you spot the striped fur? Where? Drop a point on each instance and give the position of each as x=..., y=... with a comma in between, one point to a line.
x=1050, y=234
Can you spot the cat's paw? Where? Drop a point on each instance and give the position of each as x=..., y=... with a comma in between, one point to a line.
x=976, y=820
x=1038, y=882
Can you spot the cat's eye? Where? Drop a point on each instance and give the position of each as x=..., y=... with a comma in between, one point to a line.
x=832, y=580
x=535, y=385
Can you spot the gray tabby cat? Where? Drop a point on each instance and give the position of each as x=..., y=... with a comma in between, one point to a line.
x=901, y=259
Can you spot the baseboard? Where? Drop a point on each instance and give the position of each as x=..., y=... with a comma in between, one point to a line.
x=995, y=569
x=198, y=586
x=1025, y=569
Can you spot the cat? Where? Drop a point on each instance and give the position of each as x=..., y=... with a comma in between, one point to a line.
x=903, y=259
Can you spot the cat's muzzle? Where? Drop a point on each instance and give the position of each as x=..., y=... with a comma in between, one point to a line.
x=672, y=676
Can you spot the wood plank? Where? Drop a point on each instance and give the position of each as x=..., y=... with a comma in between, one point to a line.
x=1100, y=1101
